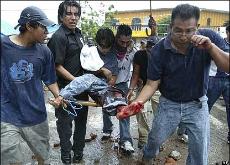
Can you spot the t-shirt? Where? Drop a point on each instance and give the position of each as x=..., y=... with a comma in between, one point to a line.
x=66, y=47
x=110, y=61
x=124, y=66
x=183, y=77
x=22, y=71
x=216, y=72
x=141, y=59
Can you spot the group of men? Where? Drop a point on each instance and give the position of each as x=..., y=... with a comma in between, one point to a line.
x=178, y=66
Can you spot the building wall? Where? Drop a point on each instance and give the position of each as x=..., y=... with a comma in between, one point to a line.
x=217, y=18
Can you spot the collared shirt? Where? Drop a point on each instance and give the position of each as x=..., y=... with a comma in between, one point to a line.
x=66, y=47
x=183, y=77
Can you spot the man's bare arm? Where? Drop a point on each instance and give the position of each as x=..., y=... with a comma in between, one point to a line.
x=149, y=89
x=61, y=71
x=220, y=57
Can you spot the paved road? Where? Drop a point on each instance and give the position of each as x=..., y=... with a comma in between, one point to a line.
x=97, y=152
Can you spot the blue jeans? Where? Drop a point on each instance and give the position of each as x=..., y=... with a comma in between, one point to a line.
x=193, y=116
x=219, y=86
x=124, y=124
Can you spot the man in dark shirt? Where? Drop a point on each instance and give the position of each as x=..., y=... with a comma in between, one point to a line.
x=179, y=66
x=98, y=76
x=66, y=44
x=219, y=85
x=139, y=77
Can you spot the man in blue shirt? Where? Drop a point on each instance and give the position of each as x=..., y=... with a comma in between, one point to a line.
x=219, y=85
x=179, y=67
x=25, y=63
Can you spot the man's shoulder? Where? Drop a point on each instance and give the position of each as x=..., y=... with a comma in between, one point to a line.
x=205, y=31
x=5, y=39
x=42, y=48
x=140, y=53
x=60, y=33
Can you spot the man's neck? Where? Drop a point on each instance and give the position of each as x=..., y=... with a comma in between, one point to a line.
x=22, y=40
x=181, y=48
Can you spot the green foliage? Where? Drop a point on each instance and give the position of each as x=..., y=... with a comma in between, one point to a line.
x=89, y=24
x=226, y=23
x=162, y=25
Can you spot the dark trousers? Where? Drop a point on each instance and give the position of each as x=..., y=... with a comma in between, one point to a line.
x=219, y=86
x=64, y=129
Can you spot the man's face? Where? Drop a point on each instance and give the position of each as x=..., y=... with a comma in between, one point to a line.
x=183, y=30
x=103, y=50
x=123, y=42
x=71, y=17
x=227, y=33
x=39, y=33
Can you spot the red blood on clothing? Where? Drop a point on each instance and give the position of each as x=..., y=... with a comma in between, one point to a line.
x=129, y=110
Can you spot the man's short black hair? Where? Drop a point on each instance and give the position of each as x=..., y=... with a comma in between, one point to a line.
x=105, y=37
x=63, y=7
x=185, y=12
x=124, y=30
x=23, y=29
x=227, y=28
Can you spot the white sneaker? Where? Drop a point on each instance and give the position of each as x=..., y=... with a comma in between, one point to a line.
x=105, y=136
x=183, y=138
x=127, y=146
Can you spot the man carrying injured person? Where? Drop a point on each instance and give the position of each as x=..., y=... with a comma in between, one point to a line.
x=101, y=69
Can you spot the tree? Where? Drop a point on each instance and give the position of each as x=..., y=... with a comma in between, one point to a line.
x=90, y=22
x=162, y=25
x=226, y=23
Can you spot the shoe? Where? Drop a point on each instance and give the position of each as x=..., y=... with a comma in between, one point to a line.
x=183, y=138
x=77, y=158
x=105, y=136
x=127, y=147
x=66, y=158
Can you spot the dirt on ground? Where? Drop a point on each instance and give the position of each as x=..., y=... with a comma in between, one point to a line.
x=103, y=153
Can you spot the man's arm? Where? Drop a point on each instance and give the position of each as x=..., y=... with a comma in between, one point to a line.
x=134, y=79
x=106, y=72
x=149, y=89
x=54, y=89
x=136, y=106
x=220, y=57
x=112, y=80
x=61, y=71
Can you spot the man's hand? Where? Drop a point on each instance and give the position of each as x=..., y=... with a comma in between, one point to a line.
x=129, y=110
x=201, y=42
x=129, y=95
x=57, y=102
x=107, y=73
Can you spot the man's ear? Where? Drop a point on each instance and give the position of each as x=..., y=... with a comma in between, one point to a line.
x=28, y=27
